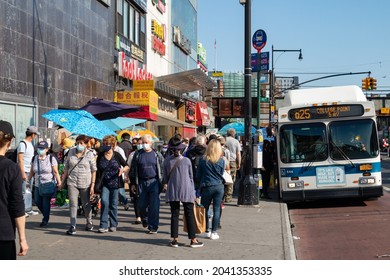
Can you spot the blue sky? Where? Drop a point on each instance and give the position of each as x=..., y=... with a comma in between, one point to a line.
x=336, y=36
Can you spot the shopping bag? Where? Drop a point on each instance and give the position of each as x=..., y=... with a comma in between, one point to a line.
x=61, y=196
x=200, y=219
x=227, y=178
x=27, y=197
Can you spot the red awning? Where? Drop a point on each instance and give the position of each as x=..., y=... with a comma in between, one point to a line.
x=202, y=114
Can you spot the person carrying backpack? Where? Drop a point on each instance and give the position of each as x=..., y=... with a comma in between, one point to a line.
x=25, y=153
x=44, y=169
x=195, y=154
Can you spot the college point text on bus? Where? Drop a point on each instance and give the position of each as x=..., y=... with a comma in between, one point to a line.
x=328, y=145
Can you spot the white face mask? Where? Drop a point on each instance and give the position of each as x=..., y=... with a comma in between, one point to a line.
x=146, y=146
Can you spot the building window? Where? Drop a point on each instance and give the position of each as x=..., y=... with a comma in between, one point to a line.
x=126, y=19
x=131, y=23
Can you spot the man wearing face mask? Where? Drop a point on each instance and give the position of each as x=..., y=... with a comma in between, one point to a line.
x=146, y=179
x=136, y=144
x=80, y=172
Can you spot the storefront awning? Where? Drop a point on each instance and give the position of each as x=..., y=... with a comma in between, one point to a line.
x=183, y=82
x=202, y=114
x=162, y=120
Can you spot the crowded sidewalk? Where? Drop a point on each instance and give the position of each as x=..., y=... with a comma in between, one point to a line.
x=260, y=232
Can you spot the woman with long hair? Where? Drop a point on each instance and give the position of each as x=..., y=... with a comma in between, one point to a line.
x=210, y=171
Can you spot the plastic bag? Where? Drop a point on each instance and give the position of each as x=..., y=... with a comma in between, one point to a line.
x=61, y=197
x=27, y=197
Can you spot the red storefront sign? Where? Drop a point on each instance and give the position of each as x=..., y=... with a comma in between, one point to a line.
x=202, y=114
x=129, y=69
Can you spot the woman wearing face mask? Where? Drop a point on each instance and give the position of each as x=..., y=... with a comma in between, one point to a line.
x=112, y=165
x=80, y=171
x=44, y=168
x=179, y=184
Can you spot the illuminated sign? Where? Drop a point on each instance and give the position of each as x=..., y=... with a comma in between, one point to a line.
x=129, y=69
x=325, y=112
x=160, y=4
x=181, y=41
x=159, y=34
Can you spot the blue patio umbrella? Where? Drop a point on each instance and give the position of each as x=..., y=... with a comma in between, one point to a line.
x=239, y=127
x=122, y=123
x=79, y=122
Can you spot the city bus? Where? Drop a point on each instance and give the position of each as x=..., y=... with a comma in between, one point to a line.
x=327, y=145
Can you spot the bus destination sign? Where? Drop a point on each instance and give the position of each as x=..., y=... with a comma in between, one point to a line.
x=326, y=112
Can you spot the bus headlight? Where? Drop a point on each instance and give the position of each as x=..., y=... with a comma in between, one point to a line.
x=296, y=185
x=366, y=180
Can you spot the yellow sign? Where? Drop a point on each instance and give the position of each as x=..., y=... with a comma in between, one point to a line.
x=143, y=85
x=139, y=98
x=217, y=74
x=385, y=111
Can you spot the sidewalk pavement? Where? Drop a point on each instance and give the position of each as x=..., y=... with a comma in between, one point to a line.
x=260, y=232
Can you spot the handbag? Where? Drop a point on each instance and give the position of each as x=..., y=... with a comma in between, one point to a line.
x=99, y=183
x=65, y=181
x=46, y=189
x=227, y=178
x=200, y=219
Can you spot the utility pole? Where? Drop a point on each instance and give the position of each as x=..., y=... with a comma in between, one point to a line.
x=248, y=193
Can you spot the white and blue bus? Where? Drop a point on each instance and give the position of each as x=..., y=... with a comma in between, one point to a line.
x=327, y=145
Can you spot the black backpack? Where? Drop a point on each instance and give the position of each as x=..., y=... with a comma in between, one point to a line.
x=13, y=154
x=195, y=162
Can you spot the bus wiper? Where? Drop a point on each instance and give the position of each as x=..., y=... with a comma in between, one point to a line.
x=342, y=153
x=307, y=167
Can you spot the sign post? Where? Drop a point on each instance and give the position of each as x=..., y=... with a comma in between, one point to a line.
x=259, y=40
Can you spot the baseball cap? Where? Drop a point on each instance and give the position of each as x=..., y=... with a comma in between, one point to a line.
x=6, y=128
x=42, y=145
x=33, y=129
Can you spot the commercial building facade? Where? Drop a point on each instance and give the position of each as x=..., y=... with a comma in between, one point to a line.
x=62, y=53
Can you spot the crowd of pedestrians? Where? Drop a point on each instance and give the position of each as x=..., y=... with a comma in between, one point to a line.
x=189, y=171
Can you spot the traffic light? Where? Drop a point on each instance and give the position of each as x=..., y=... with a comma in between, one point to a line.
x=368, y=83
x=373, y=84
x=364, y=84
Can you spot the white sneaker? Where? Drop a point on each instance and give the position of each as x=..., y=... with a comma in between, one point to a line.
x=206, y=234
x=33, y=213
x=214, y=236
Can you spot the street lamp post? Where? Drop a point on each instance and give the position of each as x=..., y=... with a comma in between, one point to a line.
x=248, y=193
x=272, y=78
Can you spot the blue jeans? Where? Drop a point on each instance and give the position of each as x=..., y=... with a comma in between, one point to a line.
x=43, y=204
x=122, y=196
x=149, y=202
x=213, y=194
x=109, y=207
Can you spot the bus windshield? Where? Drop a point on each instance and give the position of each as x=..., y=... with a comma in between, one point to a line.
x=355, y=139
x=304, y=142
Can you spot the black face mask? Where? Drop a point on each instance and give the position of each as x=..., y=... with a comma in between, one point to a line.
x=106, y=148
x=134, y=147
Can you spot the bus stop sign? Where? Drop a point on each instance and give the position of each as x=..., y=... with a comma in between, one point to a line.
x=259, y=39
